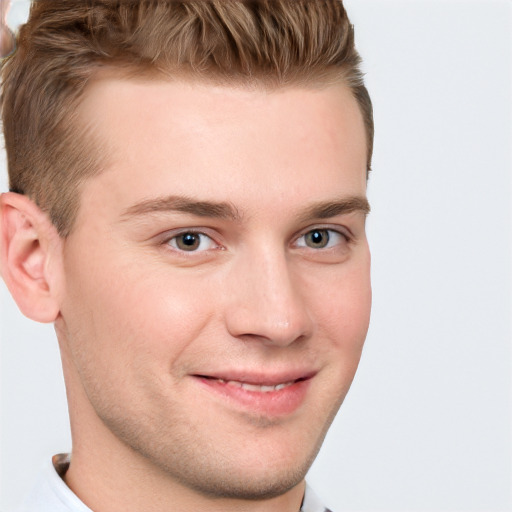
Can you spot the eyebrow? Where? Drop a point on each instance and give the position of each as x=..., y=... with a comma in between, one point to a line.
x=219, y=210
x=328, y=209
x=226, y=210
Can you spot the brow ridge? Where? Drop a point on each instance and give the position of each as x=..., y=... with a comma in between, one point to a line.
x=226, y=210
x=183, y=204
x=327, y=209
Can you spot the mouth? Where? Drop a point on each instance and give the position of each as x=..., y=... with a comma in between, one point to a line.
x=267, y=395
x=257, y=388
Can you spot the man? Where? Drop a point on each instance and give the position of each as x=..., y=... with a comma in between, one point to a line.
x=187, y=206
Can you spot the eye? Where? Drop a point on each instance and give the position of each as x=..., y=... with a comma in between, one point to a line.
x=191, y=241
x=321, y=239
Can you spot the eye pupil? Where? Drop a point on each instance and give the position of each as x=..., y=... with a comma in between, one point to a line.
x=188, y=241
x=317, y=238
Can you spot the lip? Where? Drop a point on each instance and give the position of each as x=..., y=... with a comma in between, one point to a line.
x=239, y=389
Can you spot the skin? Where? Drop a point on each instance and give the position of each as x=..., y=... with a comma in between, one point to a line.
x=141, y=320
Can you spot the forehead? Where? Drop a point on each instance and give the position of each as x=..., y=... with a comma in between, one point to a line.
x=219, y=142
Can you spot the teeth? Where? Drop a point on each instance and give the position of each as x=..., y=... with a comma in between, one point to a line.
x=252, y=387
x=255, y=387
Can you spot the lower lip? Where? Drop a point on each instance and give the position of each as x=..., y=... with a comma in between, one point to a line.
x=272, y=403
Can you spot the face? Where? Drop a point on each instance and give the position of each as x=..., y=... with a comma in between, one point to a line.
x=217, y=287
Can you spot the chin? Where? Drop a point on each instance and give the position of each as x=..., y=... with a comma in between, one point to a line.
x=258, y=474
x=260, y=484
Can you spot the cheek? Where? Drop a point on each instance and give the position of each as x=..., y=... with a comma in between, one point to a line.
x=343, y=309
x=168, y=311
x=129, y=317
x=127, y=336
x=343, y=319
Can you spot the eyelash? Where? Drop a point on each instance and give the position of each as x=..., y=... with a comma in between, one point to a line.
x=330, y=232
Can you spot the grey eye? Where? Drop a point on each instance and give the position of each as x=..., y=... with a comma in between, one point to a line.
x=322, y=238
x=317, y=238
x=191, y=241
x=188, y=241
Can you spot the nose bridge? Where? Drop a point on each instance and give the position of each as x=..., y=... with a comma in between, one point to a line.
x=267, y=301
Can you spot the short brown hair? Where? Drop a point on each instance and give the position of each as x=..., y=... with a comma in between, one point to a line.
x=65, y=43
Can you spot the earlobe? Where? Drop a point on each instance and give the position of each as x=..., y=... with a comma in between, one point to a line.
x=29, y=253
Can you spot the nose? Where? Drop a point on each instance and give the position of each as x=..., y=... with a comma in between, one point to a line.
x=266, y=301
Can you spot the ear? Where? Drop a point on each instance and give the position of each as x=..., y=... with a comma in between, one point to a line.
x=30, y=257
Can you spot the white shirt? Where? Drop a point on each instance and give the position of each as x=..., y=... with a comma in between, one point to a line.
x=51, y=494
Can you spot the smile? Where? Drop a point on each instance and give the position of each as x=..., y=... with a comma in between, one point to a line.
x=258, y=388
x=275, y=396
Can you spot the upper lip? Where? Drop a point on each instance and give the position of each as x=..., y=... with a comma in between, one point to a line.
x=259, y=378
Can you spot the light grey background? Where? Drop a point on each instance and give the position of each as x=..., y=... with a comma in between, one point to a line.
x=427, y=424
